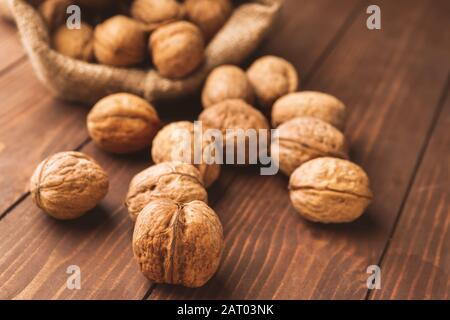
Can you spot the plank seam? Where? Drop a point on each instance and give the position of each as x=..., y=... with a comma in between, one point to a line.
x=13, y=65
x=421, y=155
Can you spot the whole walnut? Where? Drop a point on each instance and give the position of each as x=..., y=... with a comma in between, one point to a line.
x=177, y=49
x=309, y=104
x=75, y=43
x=231, y=117
x=226, y=82
x=209, y=15
x=178, y=243
x=156, y=12
x=54, y=13
x=176, y=142
x=330, y=190
x=178, y=181
x=302, y=139
x=123, y=123
x=272, y=77
x=120, y=41
x=68, y=184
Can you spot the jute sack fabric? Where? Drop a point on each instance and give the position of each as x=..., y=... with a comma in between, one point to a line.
x=75, y=80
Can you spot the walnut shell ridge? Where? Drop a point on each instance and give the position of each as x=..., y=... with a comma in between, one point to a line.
x=303, y=139
x=170, y=141
x=309, y=104
x=330, y=190
x=68, y=184
x=123, y=123
x=226, y=82
x=271, y=78
x=178, y=181
x=178, y=243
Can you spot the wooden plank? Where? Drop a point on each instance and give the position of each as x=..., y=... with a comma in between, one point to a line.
x=35, y=265
x=11, y=49
x=32, y=126
x=391, y=80
x=417, y=264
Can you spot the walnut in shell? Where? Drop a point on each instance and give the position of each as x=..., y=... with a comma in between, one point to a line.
x=177, y=49
x=68, y=184
x=226, y=82
x=178, y=181
x=54, y=13
x=176, y=142
x=330, y=190
x=232, y=117
x=123, y=123
x=156, y=12
x=120, y=41
x=272, y=77
x=178, y=243
x=309, y=104
x=209, y=15
x=302, y=139
x=75, y=43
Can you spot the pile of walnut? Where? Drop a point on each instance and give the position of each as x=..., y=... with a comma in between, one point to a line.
x=178, y=238
x=172, y=34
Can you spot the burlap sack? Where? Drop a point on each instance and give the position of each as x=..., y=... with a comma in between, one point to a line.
x=87, y=82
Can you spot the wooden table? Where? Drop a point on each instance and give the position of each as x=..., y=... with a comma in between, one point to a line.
x=395, y=82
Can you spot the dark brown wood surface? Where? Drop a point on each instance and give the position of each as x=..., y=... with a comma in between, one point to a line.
x=394, y=82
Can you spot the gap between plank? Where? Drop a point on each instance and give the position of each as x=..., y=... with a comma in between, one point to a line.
x=422, y=152
x=316, y=65
x=13, y=65
x=25, y=195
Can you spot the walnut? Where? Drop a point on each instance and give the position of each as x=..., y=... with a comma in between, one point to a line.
x=226, y=82
x=232, y=116
x=309, y=104
x=54, y=13
x=156, y=12
x=330, y=190
x=178, y=181
x=302, y=139
x=209, y=15
x=120, y=41
x=68, y=184
x=75, y=43
x=177, y=243
x=177, y=48
x=170, y=144
x=123, y=123
x=272, y=77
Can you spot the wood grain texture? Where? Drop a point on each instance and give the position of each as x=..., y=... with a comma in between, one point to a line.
x=48, y=246
x=11, y=50
x=33, y=125
x=417, y=264
x=391, y=80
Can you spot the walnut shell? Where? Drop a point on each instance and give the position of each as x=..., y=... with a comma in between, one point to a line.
x=330, y=190
x=178, y=181
x=226, y=82
x=123, y=123
x=68, y=184
x=302, y=139
x=156, y=12
x=120, y=41
x=170, y=145
x=309, y=104
x=177, y=48
x=272, y=77
x=209, y=15
x=178, y=243
x=75, y=43
x=54, y=13
x=232, y=116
